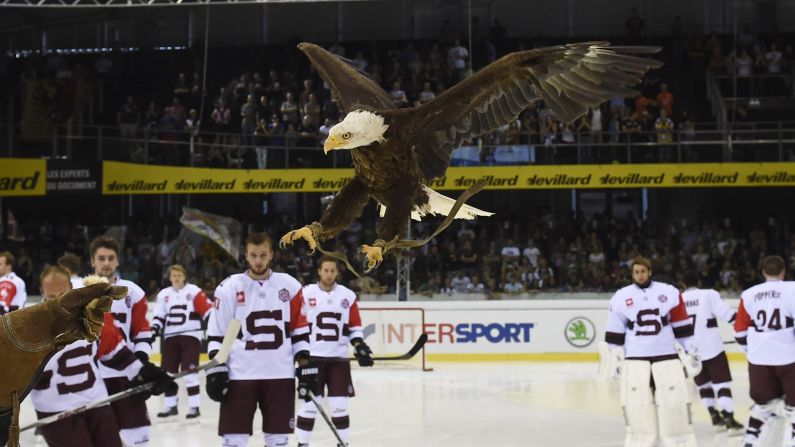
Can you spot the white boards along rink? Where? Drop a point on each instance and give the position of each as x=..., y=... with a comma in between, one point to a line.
x=477, y=331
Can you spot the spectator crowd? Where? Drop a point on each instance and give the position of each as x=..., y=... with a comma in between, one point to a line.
x=547, y=253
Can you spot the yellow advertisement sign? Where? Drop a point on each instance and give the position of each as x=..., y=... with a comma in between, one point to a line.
x=22, y=177
x=128, y=178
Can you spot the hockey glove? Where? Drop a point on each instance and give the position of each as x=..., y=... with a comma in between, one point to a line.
x=156, y=329
x=217, y=382
x=689, y=358
x=306, y=373
x=363, y=354
x=150, y=373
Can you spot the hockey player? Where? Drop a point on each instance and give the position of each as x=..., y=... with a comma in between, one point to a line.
x=333, y=315
x=12, y=288
x=646, y=319
x=260, y=369
x=130, y=317
x=764, y=326
x=705, y=307
x=179, y=309
x=71, y=379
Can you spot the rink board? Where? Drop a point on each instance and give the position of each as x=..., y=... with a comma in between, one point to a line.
x=565, y=330
x=484, y=331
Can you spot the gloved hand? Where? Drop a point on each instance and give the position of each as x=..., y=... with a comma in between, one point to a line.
x=217, y=382
x=363, y=354
x=82, y=311
x=689, y=357
x=156, y=329
x=306, y=373
x=150, y=373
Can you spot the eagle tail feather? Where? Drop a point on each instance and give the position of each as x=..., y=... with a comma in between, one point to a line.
x=439, y=204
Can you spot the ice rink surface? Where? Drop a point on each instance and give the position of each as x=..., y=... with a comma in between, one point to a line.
x=462, y=404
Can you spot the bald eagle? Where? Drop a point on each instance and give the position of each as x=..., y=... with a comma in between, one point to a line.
x=397, y=151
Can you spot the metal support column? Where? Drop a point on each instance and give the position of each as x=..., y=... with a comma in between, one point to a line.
x=403, y=270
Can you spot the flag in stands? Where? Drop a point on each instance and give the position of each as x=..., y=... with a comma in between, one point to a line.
x=222, y=230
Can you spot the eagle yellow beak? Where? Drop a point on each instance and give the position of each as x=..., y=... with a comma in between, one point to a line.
x=331, y=143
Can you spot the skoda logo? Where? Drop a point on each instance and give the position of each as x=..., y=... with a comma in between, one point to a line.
x=580, y=332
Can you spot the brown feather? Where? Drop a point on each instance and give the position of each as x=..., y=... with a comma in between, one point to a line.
x=569, y=78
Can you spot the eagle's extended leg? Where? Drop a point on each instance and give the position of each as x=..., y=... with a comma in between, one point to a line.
x=307, y=233
x=344, y=209
x=374, y=254
x=391, y=229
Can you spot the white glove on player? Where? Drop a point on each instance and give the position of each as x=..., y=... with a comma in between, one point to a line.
x=689, y=358
x=611, y=359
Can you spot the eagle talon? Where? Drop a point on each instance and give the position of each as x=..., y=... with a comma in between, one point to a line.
x=373, y=257
x=305, y=233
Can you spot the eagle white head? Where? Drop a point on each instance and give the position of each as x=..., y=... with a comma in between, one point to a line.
x=359, y=128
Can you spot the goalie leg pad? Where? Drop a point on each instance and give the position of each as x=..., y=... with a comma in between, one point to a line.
x=789, y=419
x=638, y=404
x=765, y=427
x=673, y=404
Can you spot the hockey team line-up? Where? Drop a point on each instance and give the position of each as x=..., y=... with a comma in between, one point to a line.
x=272, y=348
x=645, y=321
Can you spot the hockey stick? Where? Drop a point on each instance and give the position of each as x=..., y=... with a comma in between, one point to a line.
x=326, y=418
x=412, y=352
x=221, y=357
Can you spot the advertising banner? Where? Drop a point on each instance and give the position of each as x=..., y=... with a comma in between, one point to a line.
x=128, y=178
x=564, y=330
x=22, y=177
x=70, y=177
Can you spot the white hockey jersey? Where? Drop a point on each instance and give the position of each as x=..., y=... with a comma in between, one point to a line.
x=129, y=316
x=182, y=310
x=274, y=326
x=647, y=322
x=12, y=293
x=72, y=378
x=705, y=307
x=765, y=323
x=77, y=281
x=333, y=318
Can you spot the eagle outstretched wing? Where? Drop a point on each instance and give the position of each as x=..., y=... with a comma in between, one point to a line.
x=350, y=88
x=569, y=78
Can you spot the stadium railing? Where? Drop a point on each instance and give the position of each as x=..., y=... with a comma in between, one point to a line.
x=748, y=142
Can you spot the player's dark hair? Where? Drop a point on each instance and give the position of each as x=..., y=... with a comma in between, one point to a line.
x=103, y=242
x=690, y=279
x=70, y=262
x=640, y=260
x=54, y=270
x=325, y=258
x=773, y=265
x=8, y=256
x=258, y=239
